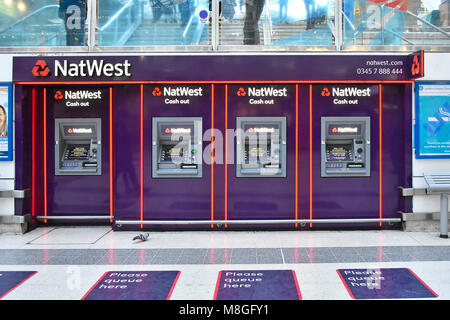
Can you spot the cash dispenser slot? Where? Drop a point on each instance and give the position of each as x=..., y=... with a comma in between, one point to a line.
x=261, y=147
x=345, y=149
x=177, y=147
x=78, y=146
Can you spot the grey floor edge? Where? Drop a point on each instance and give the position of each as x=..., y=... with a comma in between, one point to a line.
x=205, y=256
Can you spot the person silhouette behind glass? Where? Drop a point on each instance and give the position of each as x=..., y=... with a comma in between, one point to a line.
x=253, y=10
x=282, y=14
x=310, y=7
x=73, y=13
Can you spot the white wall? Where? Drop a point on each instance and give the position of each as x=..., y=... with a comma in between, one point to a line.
x=437, y=67
x=6, y=167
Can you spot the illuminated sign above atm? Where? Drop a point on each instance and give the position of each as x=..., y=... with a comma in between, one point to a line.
x=84, y=68
x=169, y=130
x=265, y=129
x=212, y=68
x=78, y=97
x=344, y=129
x=70, y=130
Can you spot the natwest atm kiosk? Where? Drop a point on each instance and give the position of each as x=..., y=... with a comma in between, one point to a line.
x=302, y=173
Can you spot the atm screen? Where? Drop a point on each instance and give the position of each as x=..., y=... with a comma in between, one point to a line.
x=339, y=152
x=171, y=153
x=257, y=153
x=77, y=152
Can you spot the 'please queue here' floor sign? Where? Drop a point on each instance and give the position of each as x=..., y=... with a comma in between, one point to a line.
x=384, y=283
x=257, y=285
x=134, y=285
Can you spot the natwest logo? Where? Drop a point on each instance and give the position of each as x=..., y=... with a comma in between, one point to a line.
x=349, y=92
x=82, y=95
x=325, y=92
x=40, y=69
x=92, y=68
x=58, y=95
x=183, y=92
x=156, y=92
x=241, y=92
x=267, y=92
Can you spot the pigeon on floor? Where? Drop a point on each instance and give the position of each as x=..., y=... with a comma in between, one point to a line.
x=142, y=236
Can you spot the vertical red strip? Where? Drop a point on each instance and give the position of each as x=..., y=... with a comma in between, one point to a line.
x=141, y=191
x=111, y=171
x=213, y=151
x=173, y=285
x=95, y=284
x=421, y=281
x=297, y=285
x=33, y=153
x=19, y=284
x=381, y=151
x=345, y=284
x=45, y=153
x=310, y=156
x=296, y=155
x=217, y=285
x=226, y=154
x=422, y=67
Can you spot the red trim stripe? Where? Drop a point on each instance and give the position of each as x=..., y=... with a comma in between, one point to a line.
x=173, y=286
x=296, y=154
x=297, y=285
x=95, y=284
x=226, y=154
x=209, y=82
x=213, y=152
x=345, y=284
x=45, y=153
x=17, y=285
x=381, y=153
x=33, y=153
x=421, y=281
x=141, y=133
x=111, y=157
x=310, y=157
x=217, y=285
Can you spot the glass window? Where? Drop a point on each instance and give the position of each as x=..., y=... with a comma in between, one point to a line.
x=153, y=22
x=42, y=23
x=277, y=22
x=395, y=23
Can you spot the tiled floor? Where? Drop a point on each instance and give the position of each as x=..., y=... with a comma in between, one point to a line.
x=69, y=260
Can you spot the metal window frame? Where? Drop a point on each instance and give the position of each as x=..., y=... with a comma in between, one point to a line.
x=214, y=46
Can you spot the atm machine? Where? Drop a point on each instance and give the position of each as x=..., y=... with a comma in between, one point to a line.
x=261, y=147
x=345, y=146
x=78, y=147
x=177, y=147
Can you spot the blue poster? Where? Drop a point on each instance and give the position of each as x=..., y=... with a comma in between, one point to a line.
x=6, y=121
x=432, y=129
